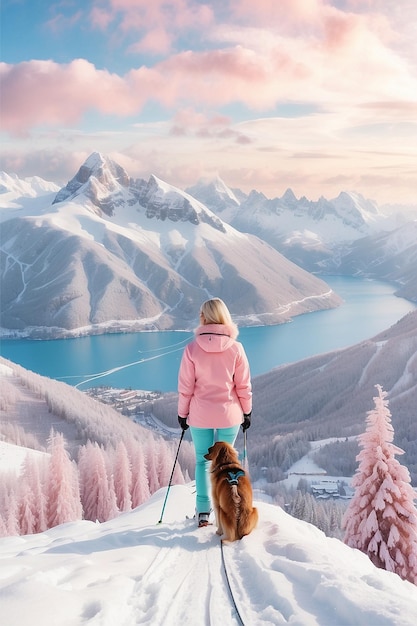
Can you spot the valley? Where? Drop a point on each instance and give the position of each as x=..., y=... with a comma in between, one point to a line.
x=109, y=254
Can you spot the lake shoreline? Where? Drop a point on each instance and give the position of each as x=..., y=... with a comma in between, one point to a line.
x=150, y=359
x=124, y=327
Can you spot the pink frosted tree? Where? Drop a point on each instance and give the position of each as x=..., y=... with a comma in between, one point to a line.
x=31, y=477
x=122, y=478
x=140, y=486
x=152, y=465
x=3, y=527
x=12, y=514
x=381, y=519
x=97, y=491
x=26, y=510
x=62, y=485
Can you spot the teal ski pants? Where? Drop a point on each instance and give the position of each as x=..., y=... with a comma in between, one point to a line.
x=203, y=438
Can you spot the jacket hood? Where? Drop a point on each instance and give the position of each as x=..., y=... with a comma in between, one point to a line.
x=216, y=337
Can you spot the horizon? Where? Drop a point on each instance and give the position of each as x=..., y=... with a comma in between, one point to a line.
x=207, y=180
x=316, y=97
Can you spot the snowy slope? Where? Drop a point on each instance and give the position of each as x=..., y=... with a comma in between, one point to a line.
x=111, y=252
x=389, y=256
x=12, y=457
x=132, y=570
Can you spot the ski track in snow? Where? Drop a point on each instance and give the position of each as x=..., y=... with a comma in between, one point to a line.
x=364, y=374
x=133, y=570
x=405, y=384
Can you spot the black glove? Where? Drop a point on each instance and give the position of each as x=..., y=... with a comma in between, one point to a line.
x=246, y=421
x=182, y=421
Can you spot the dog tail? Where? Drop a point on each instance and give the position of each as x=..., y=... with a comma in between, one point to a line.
x=236, y=501
x=247, y=522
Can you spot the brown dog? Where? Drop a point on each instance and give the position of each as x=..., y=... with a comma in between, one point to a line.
x=232, y=493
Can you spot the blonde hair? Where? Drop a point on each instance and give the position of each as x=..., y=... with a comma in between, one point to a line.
x=215, y=311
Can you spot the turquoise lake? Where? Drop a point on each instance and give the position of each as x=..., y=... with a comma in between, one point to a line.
x=150, y=360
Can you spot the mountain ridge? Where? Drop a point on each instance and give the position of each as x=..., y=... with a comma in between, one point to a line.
x=112, y=253
x=343, y=235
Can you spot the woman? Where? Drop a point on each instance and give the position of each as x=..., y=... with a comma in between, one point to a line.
x=215, y=390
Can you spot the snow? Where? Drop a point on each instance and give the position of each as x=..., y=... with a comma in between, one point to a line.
x=308, y=469
x=136, y=570
x=12, y=456
x=402, y=238
x=129, y=221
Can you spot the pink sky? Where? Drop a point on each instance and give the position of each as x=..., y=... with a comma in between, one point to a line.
x=313, y=95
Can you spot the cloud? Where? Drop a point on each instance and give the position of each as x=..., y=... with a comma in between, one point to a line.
x=191, y=123
x=260, y=55
x=55, y=164
x=199, y=67
x=47, y=93
x=155, y=41
x=100, y=18
x=155, y=25
x=60, y=22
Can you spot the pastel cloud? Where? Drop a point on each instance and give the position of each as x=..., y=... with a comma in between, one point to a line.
x=47, y=93
x=344, y=62
x=155, y=41
x=149, y=20
x=188, y=122
x=44, y=92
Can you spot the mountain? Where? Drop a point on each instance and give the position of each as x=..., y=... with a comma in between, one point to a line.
x=132, y=570
x=33, y=405
x=14, y=187
x=329, y=395
x=303, y=230
x=107, y=252
x=388, y=256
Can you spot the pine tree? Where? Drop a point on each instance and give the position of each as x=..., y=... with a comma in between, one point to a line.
x=62, y=486
x=140, y=486
x=97, y=491
x=11, y=514
x=122, y=478
x=26, y=509
x=152, y=466
x=381, y=519
x=3, y=527
x=38, y=503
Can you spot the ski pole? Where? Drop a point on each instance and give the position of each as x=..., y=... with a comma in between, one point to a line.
x=245, y=458
x=172, y=474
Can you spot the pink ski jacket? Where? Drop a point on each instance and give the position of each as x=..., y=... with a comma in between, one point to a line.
x=214, y=383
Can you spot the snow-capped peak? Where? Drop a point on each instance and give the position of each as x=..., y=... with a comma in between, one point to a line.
x=289, y=198
x=215, y=194
x=223, y=190
x=353, y=206
x=94, y=161
x=31, y=186
x=97, y=178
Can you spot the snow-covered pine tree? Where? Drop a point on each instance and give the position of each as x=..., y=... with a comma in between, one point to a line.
x=3, y=527
x=11, y=514
x=31, y=474
x=140, y=486
x=381, y=519
x=97, y=490
x=62, y=485
x=26, y=513
x=122, y=478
